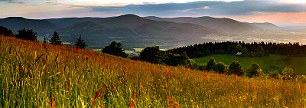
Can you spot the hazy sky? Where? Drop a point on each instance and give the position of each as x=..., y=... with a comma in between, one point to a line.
x=280, y=12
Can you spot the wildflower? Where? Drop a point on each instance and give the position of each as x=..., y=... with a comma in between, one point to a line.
x=52, y=102
x=172, y=103
x=133, y=101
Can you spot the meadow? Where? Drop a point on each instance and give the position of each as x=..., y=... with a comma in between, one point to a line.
x=34, y=74
x=272, y=61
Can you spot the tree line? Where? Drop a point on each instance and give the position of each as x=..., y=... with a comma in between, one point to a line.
x=153, y=55
x=254, y=71
x=254, y=49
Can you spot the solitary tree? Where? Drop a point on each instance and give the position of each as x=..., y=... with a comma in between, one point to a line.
x=235, y=68
x=27, y=34
x=55, y=39
x=80, y=43
x=115, y=49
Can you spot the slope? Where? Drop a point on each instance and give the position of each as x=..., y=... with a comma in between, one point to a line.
x=223, y=24
x=36, y=74
x=68, y=22
x=265, y=25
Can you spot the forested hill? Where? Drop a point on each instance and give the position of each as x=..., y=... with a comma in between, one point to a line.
x=42, y=27
x=223, y=24
x=132, y=30
x=253, y=49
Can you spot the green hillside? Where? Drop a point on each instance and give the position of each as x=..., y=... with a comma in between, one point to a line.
x=267, y=62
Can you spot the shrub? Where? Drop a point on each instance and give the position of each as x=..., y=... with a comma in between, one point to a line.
x=220, y=67
x=301, y=78
x=201, y=66
x=210, y=64
x=274, y=74
x=288, y=58
x=235, y=68
x=254, y=70
x=288, y=73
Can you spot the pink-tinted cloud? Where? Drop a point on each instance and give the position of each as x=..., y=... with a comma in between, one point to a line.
x=279, y=18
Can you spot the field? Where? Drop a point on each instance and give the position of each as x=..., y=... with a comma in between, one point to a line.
x=34, y=74
x=267, y=62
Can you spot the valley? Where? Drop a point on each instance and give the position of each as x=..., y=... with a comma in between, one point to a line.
x=139, y=32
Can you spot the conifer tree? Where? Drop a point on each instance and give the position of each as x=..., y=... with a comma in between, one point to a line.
x=55, y=39
x=80, y=43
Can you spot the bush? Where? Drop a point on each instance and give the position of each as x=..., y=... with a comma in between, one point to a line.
x=220, y=67
x=274, y=74
x=288, y=58
x=235, y=68
x=201, y=66
x=254, y=70
x=301, y=78
x=191, y=64
x=210, y=64
x=288, y=73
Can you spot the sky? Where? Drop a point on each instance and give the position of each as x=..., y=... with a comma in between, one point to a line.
x=279, y=12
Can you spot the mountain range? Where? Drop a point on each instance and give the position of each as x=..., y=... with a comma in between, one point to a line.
x=135, y=31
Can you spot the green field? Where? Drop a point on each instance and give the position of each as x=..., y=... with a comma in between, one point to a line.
x=297, y=63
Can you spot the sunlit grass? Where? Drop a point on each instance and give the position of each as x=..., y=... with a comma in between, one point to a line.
x=297, y=63
x=35, y=74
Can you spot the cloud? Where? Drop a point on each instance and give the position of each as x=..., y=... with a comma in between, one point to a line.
x=246, y=7
x=13, y=1
x=52, y=2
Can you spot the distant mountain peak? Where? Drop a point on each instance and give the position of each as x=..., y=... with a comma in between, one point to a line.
x=17, y=17
x=129, y=16
x=14, y=18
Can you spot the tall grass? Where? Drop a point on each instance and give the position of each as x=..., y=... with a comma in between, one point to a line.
x=34, y=74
